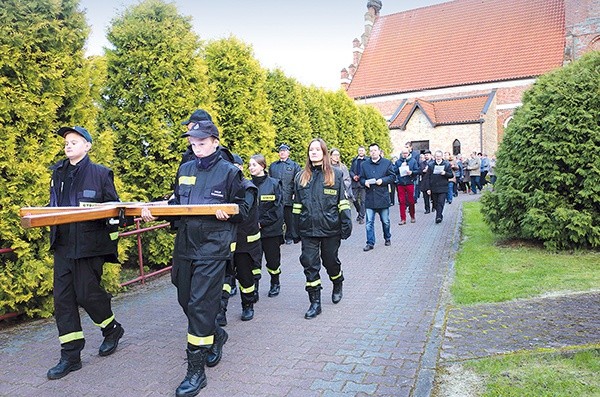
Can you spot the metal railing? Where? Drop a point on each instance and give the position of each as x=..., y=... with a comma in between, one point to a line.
x=138, y=231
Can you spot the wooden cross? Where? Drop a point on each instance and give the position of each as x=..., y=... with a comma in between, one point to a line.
x=50, y=216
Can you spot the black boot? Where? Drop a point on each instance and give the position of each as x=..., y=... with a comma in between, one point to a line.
x=216, y=350
x=63, y=368
x=111, y=340
x=195, y=379
x=336, y=295
x=247, y=311
x=275, y=286
x=315, y=304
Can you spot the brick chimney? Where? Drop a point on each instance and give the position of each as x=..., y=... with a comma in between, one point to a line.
x=373, y=9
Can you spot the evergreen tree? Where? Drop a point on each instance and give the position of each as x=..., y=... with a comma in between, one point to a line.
x=320, y=115
x=290, y=117
x=155, y=79
x=43, y=86
x=241, y=104
x=348, y=123
x=548, y=168
x=375, y=128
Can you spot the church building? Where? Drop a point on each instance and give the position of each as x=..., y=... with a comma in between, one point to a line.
x=450, y=76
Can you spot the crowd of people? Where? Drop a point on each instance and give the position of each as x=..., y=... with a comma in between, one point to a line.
x=216, y=255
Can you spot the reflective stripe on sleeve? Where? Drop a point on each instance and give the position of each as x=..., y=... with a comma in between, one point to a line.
x=343, y=205
x=296, y=208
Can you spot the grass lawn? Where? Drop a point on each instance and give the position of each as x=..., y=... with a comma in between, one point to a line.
x=491, y=270
x=567, y=373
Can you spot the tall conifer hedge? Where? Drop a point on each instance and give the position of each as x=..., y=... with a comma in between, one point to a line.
x=43, y=85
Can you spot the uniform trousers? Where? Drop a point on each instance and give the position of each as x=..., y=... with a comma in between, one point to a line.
x=243, y=264
x=317, y=250
x=77, y=283
x=271, y=247
x=289, y=223
x=199, y=284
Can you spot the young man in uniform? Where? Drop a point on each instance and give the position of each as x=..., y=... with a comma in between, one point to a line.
x=80, y=250
x=203, y=246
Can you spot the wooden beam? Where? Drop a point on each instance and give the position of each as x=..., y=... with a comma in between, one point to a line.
x=183, y=210
x=50, y=216
x=48, y=210
x=59, y=218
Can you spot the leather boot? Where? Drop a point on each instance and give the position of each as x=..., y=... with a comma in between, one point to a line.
x=336, y=295
x=216, y=350
x=247, y=312
x=63, y=368
x=195, y=379
x=275, y=286
x=111, y=341
x=315, y=304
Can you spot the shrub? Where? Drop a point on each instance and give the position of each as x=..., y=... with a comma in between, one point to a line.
x=548, y=167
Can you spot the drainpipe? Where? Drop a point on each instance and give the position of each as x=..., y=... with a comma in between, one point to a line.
x=481, y=135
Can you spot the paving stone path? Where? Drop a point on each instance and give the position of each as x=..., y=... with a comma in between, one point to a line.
x=383, y=339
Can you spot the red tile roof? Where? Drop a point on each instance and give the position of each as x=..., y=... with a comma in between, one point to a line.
x=445, y=111
x=461, y=42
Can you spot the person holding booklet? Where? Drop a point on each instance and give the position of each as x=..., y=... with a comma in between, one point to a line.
x=406, y=169
x=438, y=183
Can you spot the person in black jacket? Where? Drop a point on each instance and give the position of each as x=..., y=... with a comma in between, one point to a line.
x=270, y=219
x=203, y=246
x=285, y=169
x=440, y=171
x=80, y=251
x=322, y=215
x=376, y=175
x=358, y=190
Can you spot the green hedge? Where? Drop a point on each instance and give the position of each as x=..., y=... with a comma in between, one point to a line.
x=548, y=167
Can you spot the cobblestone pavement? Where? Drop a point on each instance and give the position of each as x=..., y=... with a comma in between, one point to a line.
x=382, y=339
x=551, y=322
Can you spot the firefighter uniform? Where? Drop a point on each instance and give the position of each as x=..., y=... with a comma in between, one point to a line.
x=80, y=251
x=204, y=244
x=247, y=253
x=323, y=218
x=270, y=218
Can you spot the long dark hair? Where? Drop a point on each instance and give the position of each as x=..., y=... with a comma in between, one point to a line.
x=328, y=173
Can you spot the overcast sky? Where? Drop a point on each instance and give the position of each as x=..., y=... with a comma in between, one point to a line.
x=309, y=40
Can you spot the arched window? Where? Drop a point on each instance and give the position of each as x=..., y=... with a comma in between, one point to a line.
x=456, y=147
